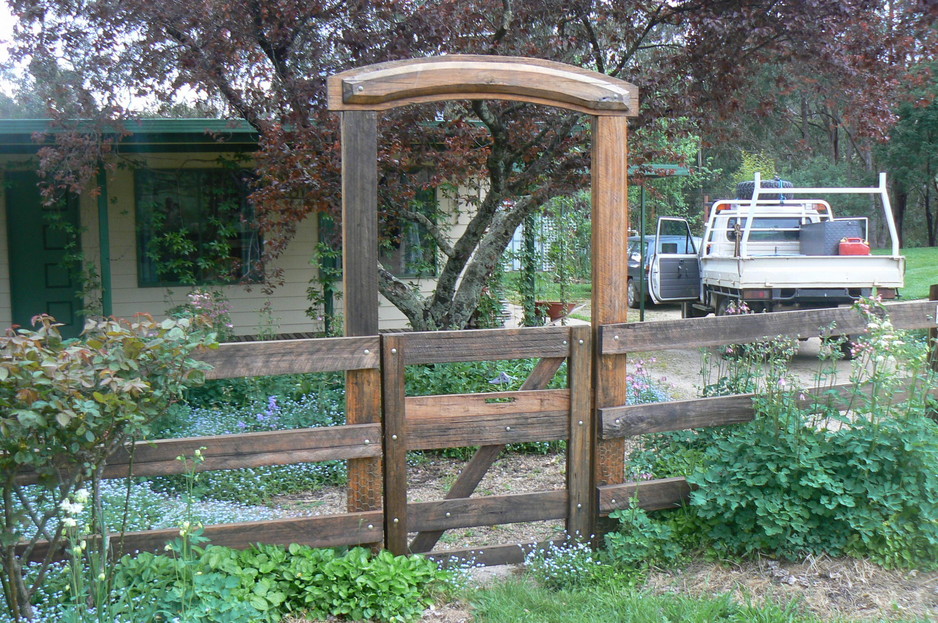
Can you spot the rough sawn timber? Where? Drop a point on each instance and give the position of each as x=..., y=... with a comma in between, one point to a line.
x=465, y=77
x=745, y=328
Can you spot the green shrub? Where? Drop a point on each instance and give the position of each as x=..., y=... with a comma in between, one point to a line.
x=859, y=478
x=69, y=404
x=642, y=541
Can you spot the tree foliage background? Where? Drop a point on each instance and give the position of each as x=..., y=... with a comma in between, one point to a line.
x=818, y=85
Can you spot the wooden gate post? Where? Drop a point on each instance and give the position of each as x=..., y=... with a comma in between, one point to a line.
x=933, y=333
x=394, y=444
x=360, y=290
x=610, y=278
x=579, y=471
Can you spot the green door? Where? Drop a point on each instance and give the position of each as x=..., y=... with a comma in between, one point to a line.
x=41, y=237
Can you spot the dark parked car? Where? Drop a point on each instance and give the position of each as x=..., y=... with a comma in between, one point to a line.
x=668, y=244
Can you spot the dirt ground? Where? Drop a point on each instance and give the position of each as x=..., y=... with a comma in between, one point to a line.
x=831, y=588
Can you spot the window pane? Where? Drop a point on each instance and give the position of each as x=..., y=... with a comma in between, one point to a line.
x=194, y=227
x=408, y=249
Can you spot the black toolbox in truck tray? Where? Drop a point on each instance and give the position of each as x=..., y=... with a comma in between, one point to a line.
x=824, y=238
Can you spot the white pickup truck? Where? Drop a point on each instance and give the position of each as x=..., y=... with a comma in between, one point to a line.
x=776, y=250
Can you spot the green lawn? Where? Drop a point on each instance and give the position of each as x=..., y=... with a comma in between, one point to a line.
x=522, y=602
x=921, y=271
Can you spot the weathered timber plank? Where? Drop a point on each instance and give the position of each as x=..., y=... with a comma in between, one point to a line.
x=486, y=344
x=363, y=408
x=579, y=513
x=304, y=445
x=625, y=421
x=459, y=77
x=652, y=495
x=482, y=460
x=498, y=423
x=360, y=222
x=542, y=374
x=394, y=409
x=489, y=403
x=325, y=531
x=933, y=332
x=492, y=555
x=237, y=359
x=487, y=511
x=610, y=275
x=327, y=443
x=659, y=417
x=717, y=330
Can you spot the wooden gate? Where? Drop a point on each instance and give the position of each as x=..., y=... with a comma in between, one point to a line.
x=490, y=420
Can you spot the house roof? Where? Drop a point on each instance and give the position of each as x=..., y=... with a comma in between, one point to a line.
x=145, y=135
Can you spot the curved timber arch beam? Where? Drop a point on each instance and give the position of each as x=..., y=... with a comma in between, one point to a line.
x=398, y=83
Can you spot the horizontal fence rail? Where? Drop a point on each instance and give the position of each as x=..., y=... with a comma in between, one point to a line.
x=283, y=447
x=490, y=420
x=458, y=420
x=485, y=344
x=268, y=358
x=661, y=417
x=618, y=339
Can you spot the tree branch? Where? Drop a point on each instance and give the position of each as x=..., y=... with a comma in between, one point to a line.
x=439, y=236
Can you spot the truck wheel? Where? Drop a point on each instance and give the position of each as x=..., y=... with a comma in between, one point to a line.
x=689, y=311
x=723, y=305
x=847, y=347
x=632, y=295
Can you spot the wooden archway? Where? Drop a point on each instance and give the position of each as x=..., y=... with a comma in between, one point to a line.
x=358, y=93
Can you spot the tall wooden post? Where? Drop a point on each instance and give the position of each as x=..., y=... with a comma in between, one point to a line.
x=933, y=333
x=610, y=278
x=360, y=286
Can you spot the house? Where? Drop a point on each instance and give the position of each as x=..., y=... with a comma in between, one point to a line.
x=168, y=219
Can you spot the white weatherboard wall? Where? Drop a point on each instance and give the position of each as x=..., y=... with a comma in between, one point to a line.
x=288, y=302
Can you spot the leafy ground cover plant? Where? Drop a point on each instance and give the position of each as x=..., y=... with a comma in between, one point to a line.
x=566, y=566
x=856, y=475
x=264, y=583
x=66, y=406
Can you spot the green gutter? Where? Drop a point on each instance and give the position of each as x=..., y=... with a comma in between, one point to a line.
x=104, y=239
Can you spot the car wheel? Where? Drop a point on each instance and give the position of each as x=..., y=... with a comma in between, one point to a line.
x=632, y=295
x=723, y=305
x=848, y=347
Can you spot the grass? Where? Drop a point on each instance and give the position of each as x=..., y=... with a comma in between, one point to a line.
x=921, y=271
x=546, y=288
x=521, y=601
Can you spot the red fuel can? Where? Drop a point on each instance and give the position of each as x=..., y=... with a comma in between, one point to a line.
x=854, y=246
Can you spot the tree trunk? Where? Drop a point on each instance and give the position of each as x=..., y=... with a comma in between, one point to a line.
x=929, y=218
x=898, y=210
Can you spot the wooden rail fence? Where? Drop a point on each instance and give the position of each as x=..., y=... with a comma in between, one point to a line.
x=491, y=420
